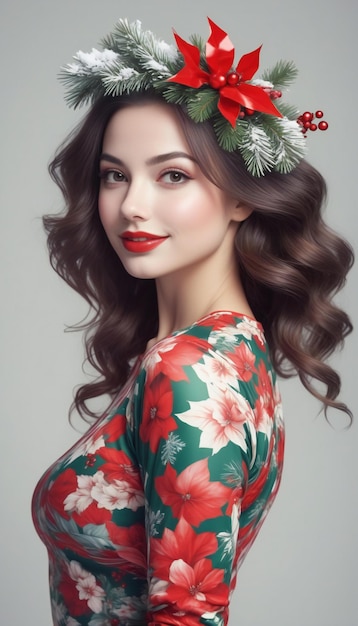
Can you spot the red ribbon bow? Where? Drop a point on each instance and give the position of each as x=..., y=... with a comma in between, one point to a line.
x=234, y=91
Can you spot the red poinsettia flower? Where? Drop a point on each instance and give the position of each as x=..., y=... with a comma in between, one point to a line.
x=191, y=494
x=118, y=466
x=174, y=354
x=157, y=419
x=244, y=360
x=114, y=429
x=264, y=388
x=65, y=483
x=234, y=90
x=198, y=589
x=130, y=544
x=181, y=543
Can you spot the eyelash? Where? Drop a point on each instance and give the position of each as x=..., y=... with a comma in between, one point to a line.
x=105, y=174
x=184, y=177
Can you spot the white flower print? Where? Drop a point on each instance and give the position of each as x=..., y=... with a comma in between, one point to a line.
x=80, y=499
x=90, y=591
x=249, y=328
x=229, y=540
x=119, y=495
x=246, y=327
x=221, y=418
x=217, y=371
x=86, y=586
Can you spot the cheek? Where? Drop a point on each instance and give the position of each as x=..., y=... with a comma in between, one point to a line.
x=196, y=211
x=106, y=210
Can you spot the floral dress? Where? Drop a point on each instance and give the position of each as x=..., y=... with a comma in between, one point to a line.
x=148, y=517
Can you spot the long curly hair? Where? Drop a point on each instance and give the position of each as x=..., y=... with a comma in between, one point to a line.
x=291, y=264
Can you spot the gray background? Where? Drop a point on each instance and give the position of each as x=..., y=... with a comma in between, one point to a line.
x=303, y=568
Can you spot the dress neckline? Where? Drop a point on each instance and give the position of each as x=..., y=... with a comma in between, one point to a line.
x=199, y=322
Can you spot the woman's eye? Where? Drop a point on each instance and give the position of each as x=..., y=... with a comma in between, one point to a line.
x=112, y=176
x=174, y=177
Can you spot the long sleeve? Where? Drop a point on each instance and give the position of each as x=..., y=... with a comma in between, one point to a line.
x=208, y=445
x=147, y=518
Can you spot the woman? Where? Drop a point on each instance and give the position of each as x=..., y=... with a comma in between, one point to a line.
x=200, y=246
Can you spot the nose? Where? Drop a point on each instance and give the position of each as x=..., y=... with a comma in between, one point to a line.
x=136, y=204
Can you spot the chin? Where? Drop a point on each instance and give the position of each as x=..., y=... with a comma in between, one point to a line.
x=142, y=273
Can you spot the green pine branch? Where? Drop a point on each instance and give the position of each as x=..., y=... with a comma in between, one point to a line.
x=256, y=148
x=175, y=93
x=203, y=105
x=84, y=90
x=282, y=74
x=228, y=137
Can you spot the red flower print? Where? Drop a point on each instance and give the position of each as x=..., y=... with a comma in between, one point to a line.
x=219, y=321
x=244, y=360
x=236, y=498
x=191, y=494
x=265, y=389
x=263, y=420
x=157, y=419
x=198, y=589
x=259, y=483
x=182, y=543
x=130, y=543
x=177, y=352
x=118, y=466
x=64, y=484
x=114, y=429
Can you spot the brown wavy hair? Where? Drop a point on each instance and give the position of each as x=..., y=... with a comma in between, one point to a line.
x=291, y=264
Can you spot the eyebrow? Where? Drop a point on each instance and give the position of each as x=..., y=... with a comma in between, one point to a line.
x=160, y=158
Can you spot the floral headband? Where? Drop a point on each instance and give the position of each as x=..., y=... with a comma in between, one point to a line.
x=247, y=114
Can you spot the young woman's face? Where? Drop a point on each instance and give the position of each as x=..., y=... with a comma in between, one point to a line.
x=160, y=213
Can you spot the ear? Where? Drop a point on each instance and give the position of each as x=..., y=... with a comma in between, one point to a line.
x=240, y=212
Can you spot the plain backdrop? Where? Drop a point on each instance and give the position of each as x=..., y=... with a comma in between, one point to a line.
x=302, y=569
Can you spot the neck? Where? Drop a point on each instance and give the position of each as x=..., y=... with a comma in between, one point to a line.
x=185, y=297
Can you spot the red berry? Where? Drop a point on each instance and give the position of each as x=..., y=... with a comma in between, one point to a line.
x=217, y=81
x=323, y=125
x=232, y=78
x=307, y=125
x=319, y=114
x=307, y=116
x=313, y=126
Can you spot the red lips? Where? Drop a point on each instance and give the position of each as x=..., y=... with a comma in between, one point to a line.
x=140, y=241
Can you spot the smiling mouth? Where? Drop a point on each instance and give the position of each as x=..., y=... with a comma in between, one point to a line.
x=141, y=242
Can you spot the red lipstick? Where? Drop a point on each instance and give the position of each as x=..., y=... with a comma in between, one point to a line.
x=140, y=241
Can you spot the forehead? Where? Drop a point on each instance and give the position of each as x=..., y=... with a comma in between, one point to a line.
x=148, y=128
